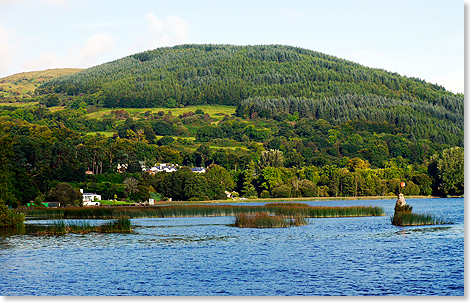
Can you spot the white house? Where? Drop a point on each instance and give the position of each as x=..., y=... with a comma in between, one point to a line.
x=198, y=170
x=163, y=168
x=90, y=199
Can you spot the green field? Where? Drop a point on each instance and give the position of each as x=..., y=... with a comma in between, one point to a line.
x=115, y=203
x=213, y=110
x=19, y=104
x=104, y=133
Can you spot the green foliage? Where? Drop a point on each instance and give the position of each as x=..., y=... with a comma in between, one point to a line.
x=64, y=194
x=282, y=191
x=248, y=189
x=436, y=120
x=10, y=218
x=451, y=171
x=211, y=74
x=50, y=100
x=338, y=129
x=270, y=158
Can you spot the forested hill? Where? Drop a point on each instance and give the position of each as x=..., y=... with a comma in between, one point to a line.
x=269, y=81
x=226, y=74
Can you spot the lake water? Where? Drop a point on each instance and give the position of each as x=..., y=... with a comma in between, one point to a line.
x=206, y=256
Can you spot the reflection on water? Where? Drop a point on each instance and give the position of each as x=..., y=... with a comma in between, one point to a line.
x=206, y=256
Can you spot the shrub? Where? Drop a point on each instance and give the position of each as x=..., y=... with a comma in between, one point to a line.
x=283, y=191
x=65, y=194
x=264, y=194
x=10, y=218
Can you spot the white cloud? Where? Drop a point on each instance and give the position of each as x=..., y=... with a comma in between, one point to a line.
x=171, y=31
x=96, y=47
x=45, y=61
x=94, y=51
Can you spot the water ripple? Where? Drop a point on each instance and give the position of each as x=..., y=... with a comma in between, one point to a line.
x=204, y=256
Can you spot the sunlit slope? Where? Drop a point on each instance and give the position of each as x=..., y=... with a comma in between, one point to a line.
x=24, y=84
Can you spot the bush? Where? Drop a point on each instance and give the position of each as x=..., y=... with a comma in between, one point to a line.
x=283, y=191
x=307, y=188
x=65, y=194
x=10, y=218
x=264, y=194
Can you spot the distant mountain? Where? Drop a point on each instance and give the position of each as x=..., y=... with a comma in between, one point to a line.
x=25, y=83
x=266, y=81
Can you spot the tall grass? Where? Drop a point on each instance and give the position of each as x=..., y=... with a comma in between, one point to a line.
x=266, y=220
x=284, y=209
x=119, y=225
x=60, y=227
x=410, y=219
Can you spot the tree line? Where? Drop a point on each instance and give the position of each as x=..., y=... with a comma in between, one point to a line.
x=253, y=157
x=440, y=121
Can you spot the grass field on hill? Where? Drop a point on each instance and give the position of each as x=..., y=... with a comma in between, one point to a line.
x=19, y=104
x=25, y=83
x=215, y=111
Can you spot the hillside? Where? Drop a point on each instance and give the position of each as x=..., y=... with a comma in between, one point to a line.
x=266, y=121
x=269, y=81
x=225, y=74
x=23, y=85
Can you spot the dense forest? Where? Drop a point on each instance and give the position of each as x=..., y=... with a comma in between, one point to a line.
x=225, y=74
x=269, y=79
x=295, y=123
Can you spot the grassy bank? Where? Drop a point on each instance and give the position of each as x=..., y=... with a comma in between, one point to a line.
x=286, y=209
x=265, y=220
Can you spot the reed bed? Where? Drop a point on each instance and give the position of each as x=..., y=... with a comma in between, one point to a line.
x=322, y=211
x=283, y=209
x=266, y=220
x=121, y=225
x=410, y=219
x=60, y=227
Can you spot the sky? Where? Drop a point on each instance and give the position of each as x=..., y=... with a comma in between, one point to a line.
x=415, y=38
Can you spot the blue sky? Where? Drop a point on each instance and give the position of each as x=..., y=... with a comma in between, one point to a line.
x=419, y=38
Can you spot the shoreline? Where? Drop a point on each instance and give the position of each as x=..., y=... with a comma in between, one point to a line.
x=255, y=200
x=275, y=200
